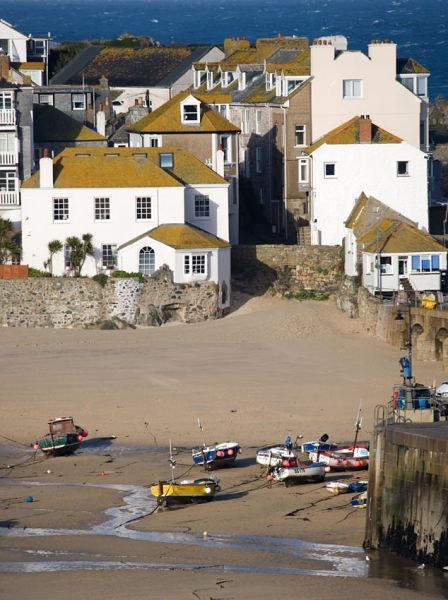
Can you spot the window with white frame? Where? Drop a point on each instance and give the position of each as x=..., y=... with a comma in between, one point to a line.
x=143, y=208
x=245, y=120
x=7, y=141
x=300, y=135
x=201, y=206
x=242, y=81
x=422, y=86
x=226, y=144
x=426, y=263
x=60, y=209
x=270, y=81
x=223, y=109
x=195, y=264
x=146, y=261
x=39, y=47
x=102, y=209
x=402, y=168
x=78, y=101
x=109, y=256
x=258, y=115
x=291, y=84
x=259, y=159
x=329, y=170
x=352, y=88
x=8, y=181
x=153, y=141
x=190, y=113
x=386, y=265
x=303, y=170
x=6, y=100
x=46, y=99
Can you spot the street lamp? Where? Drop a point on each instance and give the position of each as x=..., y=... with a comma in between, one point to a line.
x=406, y=361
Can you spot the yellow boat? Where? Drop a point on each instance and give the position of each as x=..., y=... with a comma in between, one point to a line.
x=185, y=491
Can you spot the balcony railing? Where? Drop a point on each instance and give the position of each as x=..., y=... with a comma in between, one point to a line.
x=8, y=158
x=9, y=198
x=7, y=116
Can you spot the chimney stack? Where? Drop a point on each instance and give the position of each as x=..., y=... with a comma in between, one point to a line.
x=46, y=171
x=101, y=120
x=365, y=130
x=4, y=67
x=220, y=161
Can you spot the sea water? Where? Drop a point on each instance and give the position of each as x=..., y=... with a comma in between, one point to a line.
x=419, y=27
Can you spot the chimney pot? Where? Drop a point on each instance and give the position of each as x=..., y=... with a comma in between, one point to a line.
x=45, y=153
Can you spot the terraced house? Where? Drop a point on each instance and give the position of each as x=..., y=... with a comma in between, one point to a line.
x=145, y=208
x=186, y=122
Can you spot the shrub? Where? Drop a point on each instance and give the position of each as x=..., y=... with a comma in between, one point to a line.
x=101, y=278
x=125, y=275
x=306, y=295
x=36, y=273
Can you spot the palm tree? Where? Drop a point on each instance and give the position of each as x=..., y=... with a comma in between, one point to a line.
x=78, y=250
x=8, y=247
x=54, y=247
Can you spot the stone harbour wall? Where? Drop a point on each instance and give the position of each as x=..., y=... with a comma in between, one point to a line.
x=293, y=268
x=84, y=303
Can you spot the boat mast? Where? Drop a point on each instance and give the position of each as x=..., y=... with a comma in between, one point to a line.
x=172, y=462
x=358, y=424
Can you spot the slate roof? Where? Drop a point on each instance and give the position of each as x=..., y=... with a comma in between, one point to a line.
x=348, y=133
x=131, y=67
x=368, y=211
x=409, y=66
x=167, y=119
x=398, y=238
x=181, y=237
x=52, y=125
x=125, y=167
x=32, y=66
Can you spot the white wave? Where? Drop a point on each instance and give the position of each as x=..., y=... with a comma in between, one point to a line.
x=154, y=20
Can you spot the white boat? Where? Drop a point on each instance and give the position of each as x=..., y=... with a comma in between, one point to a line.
x=273, y=456
x=304, y=472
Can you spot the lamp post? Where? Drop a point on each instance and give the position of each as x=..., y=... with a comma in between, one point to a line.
x=406, y=362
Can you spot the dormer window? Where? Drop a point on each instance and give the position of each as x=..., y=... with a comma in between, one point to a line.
x=270, y=81
x=190, y=110
x=210, y=81
x=242, y=81
x=197, y=79
x=228, y=77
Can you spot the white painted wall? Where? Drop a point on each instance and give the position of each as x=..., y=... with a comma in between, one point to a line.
x=389, y=104
x=129, y=95
x=38, y=227
x=369, y=168
x=218, y=221
x=17, y=42
x=390, y=281
x=350, y=254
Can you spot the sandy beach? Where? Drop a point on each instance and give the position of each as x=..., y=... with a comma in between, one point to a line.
x=270, y=368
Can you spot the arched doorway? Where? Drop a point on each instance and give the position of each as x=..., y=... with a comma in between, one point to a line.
x=146, y=260
x=441, y=344
x=416, y=332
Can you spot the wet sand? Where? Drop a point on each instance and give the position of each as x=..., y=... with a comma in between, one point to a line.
x=271, y=368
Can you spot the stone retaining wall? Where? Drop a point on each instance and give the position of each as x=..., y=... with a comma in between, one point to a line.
x=316, y=268
x=79, y=303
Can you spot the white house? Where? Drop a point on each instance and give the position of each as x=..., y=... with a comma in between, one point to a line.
x=393, y=92
x=144, y=207
x=360, y=156
x=402, y=252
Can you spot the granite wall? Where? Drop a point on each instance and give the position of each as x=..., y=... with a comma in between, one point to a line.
x=84, y=303
x=284, y=267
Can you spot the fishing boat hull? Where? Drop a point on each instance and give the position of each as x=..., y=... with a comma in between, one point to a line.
x=343, y=459
x=274, y=456
x=216, y=457
x=61, y=444
x=186, y=491
x=305, y=472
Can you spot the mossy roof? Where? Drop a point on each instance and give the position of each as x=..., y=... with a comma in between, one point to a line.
x=124, y=168
x=181, y=237
x=52, y=125
x=167, y=119
x=409, y=66
x=32, y=66
x=396, y=237
x=132, y=66
x=367, y=212
x=348, y=133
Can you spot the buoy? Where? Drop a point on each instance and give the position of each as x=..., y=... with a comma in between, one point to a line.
x=327, y=469
x=36, y=446
x=230, y=451
x=48, y=472
x=205, y=535
x=79, y=438
x=84, y=433
x=220, y=453
x=29, y=499
x=285, y=463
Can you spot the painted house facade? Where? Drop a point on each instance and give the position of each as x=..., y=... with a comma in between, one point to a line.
x=16, y=140
x=360, y=156
x=186, y=122
x=393, y=92
x=144, y=207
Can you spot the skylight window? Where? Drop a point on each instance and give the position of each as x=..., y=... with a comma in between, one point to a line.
x=166, y=160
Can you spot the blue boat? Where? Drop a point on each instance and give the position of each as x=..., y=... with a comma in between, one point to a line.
x=320, y=445
x=217, y=455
